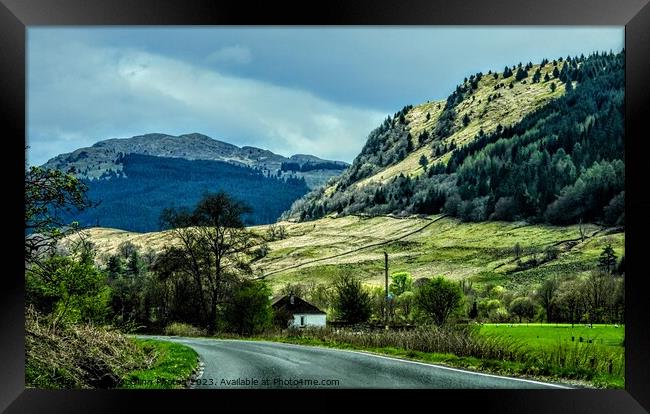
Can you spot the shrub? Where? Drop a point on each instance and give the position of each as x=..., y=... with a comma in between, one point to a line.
x=72, y=290
x=261, y=251
x=77, y=356
x=183, y=329
x=552, y=253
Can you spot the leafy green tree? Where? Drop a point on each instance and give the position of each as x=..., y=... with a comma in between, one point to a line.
x=70, y=289
x=546, y=77
x=409, y=144
x=521, y=74
x=587, y=196
x=400, y=283
x=404, y=303
x=423, y=137
x=115, y=267
x=49, y=194
x=423, y=162
x=473, y=313
x=522, y=307
x=490, y=308
x=614, y=212
x=607, y=260
x=556, y=72
x=466, y=120
x=439, y=299
x=351, y=301
x=568, y=85
x=134, y=264
x=553, y=86
x=248, y=311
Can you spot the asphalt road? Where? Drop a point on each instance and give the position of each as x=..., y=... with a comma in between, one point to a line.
x=256, y=364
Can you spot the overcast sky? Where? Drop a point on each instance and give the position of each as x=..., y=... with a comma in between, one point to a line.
x=317, y=90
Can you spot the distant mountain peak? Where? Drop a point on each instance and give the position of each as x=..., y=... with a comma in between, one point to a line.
x=103, y=157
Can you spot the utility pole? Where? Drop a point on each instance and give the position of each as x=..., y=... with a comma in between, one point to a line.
x=386, y=284
x=386, y=272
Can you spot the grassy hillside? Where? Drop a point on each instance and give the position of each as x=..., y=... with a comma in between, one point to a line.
x=425, y=246
x=490, y=104
x=542, y=143
x=508, y=106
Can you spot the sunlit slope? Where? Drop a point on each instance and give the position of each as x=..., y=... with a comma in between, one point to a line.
x=487, y=107
x=424, y=246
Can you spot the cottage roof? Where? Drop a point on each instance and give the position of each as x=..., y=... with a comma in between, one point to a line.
x=299, y=305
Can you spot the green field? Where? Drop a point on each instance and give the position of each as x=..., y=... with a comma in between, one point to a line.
x=549, y=336
x=551, y=345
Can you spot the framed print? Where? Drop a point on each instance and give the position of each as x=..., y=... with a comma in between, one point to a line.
x=433, y=199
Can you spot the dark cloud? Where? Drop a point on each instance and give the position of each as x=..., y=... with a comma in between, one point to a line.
x=309, y=90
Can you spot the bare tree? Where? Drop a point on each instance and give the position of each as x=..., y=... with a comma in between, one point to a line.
x=214, y=248
x=276, y=232
x=546, y=296
x=571, y=300
x=582, y=230
x=600, y=294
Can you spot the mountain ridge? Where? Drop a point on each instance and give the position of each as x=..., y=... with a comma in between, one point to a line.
x=102, y=158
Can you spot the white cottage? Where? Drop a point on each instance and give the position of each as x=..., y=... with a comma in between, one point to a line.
x=300, y=313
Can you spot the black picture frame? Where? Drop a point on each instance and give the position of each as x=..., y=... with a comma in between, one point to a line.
x=17, y=15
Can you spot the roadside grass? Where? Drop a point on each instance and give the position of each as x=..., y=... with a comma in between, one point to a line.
x=79, y=356
x=173, y=366
x=470, y=363
x=468, y=349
